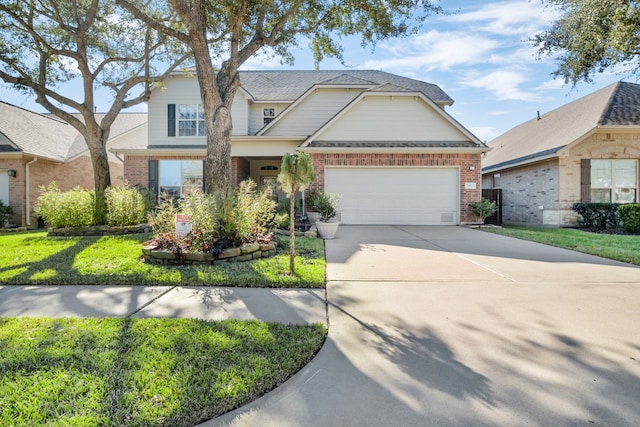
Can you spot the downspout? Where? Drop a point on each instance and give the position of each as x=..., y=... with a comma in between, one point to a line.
x=27, y=204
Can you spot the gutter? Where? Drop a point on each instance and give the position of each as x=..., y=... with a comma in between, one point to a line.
x=27, y=204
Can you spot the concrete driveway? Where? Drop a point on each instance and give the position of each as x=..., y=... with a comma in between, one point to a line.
x=437, y=326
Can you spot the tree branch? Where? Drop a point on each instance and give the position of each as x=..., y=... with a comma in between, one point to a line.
x=138, y=14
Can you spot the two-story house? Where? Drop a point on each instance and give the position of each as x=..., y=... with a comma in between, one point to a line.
x=383, y=142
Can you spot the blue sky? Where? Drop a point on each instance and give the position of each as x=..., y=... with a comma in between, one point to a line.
x=480, y=56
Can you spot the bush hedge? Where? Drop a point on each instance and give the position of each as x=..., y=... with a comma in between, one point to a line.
x=127, y=206
x=74, y=208
x=6, y=212
x=630, y=217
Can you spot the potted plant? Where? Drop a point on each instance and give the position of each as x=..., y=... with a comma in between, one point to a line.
x=310, y=202
x=326, y=205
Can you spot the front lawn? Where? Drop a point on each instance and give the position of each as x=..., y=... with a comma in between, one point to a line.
x=35, y=259
x=142, y=372
x=625, y=248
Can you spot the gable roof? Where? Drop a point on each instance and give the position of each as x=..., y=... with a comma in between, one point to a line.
x=381, y=90
x=289, y=85
x=47, y=136
x=612, y=106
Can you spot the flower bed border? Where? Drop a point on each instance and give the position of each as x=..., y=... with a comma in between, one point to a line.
x=246, y=252
x=98, y=230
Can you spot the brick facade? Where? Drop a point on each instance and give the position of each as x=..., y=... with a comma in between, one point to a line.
x=555, y=184
x=240, y=170
x=529, y=194
x=76, y=173
x=468, y=164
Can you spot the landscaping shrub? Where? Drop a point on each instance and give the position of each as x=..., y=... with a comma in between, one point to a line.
x=126, y=206
x=244, y=215
x=6, y=212
x=630, y=217
x=597, y=216
x=163, y=218
x=74, y=208
x=483, y=209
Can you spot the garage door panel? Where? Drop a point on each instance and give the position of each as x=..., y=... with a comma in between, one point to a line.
x=403, y=196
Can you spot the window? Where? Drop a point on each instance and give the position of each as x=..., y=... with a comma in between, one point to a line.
x=191, y=120
x=614, y=181
x=180, y=177
x=268, y=114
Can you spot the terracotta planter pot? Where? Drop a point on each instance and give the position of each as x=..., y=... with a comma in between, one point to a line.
x=327, y=230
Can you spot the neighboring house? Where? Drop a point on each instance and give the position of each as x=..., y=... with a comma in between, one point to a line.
x=586, y=150
x=36, y=149
x=381, y=141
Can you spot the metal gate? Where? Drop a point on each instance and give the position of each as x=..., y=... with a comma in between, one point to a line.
x=494, y=195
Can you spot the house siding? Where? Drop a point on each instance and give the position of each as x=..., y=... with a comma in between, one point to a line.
x=256, y=118
x=313, y=112
x=185, y=90
x=530, y=194
x=469, y=164
x=391, y=118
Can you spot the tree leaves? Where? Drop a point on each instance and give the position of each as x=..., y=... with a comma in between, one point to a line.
x=592, y=36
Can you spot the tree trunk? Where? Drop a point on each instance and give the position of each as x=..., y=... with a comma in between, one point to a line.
x=218, y=160
x=292, y=233
x=101, y=173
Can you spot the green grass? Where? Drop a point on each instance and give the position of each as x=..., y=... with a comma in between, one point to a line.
x=625, y=248
x=142, y=372
x=35, y=259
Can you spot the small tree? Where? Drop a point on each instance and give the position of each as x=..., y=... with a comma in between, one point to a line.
x=483, y=209
x=296, y=173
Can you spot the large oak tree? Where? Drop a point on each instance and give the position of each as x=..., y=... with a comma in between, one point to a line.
x=223, y=34
x=45, y=43
x=592, y=36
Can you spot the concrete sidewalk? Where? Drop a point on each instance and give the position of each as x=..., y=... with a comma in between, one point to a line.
x=289, y=306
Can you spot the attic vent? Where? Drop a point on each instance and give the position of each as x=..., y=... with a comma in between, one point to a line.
x=269, y=168
x=446, y=217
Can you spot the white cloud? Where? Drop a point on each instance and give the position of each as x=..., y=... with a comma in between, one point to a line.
x=504, y=84
x=508, y=17
x=434, y=50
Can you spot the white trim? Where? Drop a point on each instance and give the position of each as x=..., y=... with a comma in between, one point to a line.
x=427, y=150
x=489, y=169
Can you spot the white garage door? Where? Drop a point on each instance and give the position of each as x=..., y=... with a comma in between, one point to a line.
x=398, y=196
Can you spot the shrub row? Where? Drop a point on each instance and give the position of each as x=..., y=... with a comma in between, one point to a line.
x=76, y=208
x=608, y=216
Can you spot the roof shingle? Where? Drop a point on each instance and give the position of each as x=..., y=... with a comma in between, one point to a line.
x=289, y=85
x=615, y=105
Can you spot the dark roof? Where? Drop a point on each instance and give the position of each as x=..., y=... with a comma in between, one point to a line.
x=615, y=105
x=624, y=106
x=289, y=85
x=45, y=135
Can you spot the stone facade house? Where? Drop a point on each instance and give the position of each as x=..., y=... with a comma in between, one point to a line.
x=36, y=149
x=383, y=142
x=587, y=150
